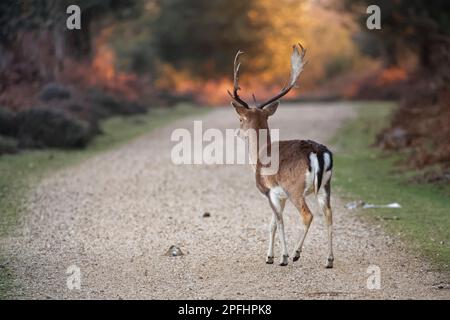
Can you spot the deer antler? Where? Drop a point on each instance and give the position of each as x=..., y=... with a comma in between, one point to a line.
x=296, y=68
x=236, y=88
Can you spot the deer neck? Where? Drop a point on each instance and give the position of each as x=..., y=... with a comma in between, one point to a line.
x=259, y=144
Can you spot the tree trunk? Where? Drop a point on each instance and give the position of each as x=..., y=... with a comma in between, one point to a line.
x=425, y=54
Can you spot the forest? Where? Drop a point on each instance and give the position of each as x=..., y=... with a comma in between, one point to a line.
x=94, y=204
x=133, y=55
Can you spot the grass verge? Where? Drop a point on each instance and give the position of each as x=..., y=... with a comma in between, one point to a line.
x=366, y=173
x=20, y=172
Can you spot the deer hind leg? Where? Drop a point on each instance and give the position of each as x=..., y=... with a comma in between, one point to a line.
x=323, y=197
x=307, y=218
x=277, y=203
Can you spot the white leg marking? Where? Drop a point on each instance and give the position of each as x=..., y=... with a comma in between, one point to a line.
x=277, y=203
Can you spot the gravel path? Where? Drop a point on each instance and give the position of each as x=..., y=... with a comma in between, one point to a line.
x=115, y=216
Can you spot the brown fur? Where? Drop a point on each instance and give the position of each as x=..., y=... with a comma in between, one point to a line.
x=294, y=163
x=293, y=154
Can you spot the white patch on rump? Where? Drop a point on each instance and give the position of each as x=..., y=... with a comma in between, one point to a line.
x=326, y=160
x=314, y=164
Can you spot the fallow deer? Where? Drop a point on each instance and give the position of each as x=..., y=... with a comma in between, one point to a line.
x=304, y=166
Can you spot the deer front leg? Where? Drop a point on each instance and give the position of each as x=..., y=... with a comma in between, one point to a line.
x=277, y=205
x=284, y=256
x=273, y=229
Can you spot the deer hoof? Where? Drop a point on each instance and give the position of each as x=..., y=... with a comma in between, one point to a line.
x=284, y=261
x=269, y=260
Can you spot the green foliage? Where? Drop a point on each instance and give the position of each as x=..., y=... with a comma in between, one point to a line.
x=7, y=122
x=365, y=173
x=405, y=17
x=412, y=24
x=54, y=91
x=202, y=36
x=40, y=127
x=18, y=15
x=23, y=15
x=8, y=145
x=107, y=105
x=337, y=66
x=368, y=44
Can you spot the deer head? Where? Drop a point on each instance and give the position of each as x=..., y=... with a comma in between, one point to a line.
x=256, y=118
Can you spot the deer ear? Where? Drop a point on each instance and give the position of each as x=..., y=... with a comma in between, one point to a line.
x=241, y=110
x=271, y=108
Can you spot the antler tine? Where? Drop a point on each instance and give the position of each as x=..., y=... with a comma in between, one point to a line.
x=297, y=65
x=236, y=66
x=236, y=88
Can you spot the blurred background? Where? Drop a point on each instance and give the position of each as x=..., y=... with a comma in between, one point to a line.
x=131, y=56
